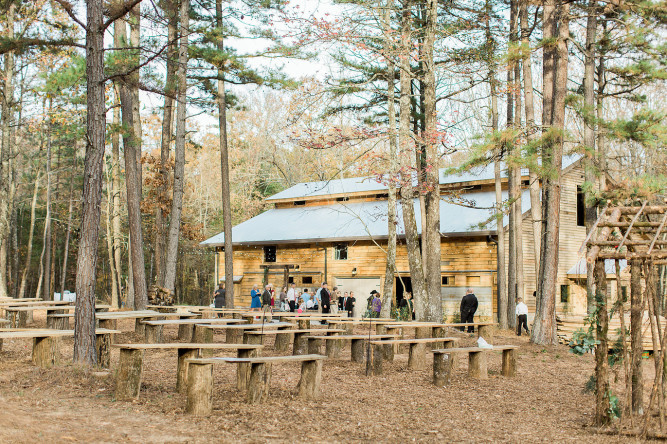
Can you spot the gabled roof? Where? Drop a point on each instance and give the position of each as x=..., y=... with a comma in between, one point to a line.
x=371, y=184
x=359, y=220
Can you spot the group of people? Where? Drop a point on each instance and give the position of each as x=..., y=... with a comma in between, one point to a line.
x=469, y=305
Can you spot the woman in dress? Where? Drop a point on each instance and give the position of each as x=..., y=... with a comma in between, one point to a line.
x=255, y=302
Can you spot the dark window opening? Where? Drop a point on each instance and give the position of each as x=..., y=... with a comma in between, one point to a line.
x=290, y=280
x=624, y=293
x=340, y=252
x=307, y=280
x=525, y=183
x=270, y=253
x=565, y=293
x=446, y=280
x=383, y=196
x=581, y=207
x=342, y=199
x=298, y=203
x=474, y=187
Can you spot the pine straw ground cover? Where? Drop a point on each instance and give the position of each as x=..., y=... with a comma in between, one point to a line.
x=544, y=403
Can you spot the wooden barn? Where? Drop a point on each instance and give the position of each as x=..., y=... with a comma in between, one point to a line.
x=336, y=231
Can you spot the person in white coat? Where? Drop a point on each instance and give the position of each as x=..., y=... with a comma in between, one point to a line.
x=522, y=314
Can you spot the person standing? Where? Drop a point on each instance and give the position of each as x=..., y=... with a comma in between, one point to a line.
x=335, y=300
x=350, y=302
x=219, y=296
x=255, y=300
x=376, y=304
x=468, y=308
x=266, y=297
x=325, y=298
x=282, y=299
x=522, y=315
x=341, y=302
x=291, y=297
x=305, y=297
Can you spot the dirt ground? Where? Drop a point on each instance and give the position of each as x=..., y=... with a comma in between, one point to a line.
x=544, y=403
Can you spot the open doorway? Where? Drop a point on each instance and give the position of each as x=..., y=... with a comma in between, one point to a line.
x=402, y=286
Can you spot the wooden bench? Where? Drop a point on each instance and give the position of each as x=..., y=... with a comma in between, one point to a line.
x=477, y=362
x=283, y=336
x=153, y=329
x=204, y=332
x=45, y=343
x=357, y=352
x=58, y=321
x=200, y=379
x=130, y=367
x=417, y=351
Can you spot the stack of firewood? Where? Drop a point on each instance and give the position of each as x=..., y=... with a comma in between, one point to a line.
x=160, y=296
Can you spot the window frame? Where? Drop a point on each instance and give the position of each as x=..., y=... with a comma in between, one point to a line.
x=338, y=248
x=267, y=253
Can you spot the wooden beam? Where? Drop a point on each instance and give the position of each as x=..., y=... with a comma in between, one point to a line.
x=653, y=209
x=657, y=233
x=629, y=243
x=634, y=219
x=661, y=254
x=604, y=234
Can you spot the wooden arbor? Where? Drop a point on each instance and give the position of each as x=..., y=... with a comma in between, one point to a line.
x=635, y=233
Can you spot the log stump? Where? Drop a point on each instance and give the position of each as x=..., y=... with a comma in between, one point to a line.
x=333, y=347
x=185, y=332
x=417, y=356
x=45, y=351
x=253, y=339
x=311, y=378
x=182, y=367
x=509, y=363
x=259, y=382
x=130, y=367
x=300, y=344
x=282, y=342
x=315, y=346
x=303, y=324
x=139, y=326
x=357, y=350
x=438, y=332
x=477, y=367
x=243, y=369
x=423, y=332
x=377, y=356
x=153, y=334
x=250, y=319
x=202, y=335
x=199, y=389
x=103, y=345
x=231, y=336
x=441, y=369
x=485, y=331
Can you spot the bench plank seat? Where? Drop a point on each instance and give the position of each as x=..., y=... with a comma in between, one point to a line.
x=477, y=362
x=417, y=351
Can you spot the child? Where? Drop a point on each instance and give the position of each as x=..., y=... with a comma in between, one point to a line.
x=522, y=314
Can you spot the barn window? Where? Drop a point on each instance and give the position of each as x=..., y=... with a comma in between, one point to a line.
x=290, y=280
x=565, y=293
x=270, y=253
x=447, y=280
x=340, y=252
x=581, y=207
x=342, y=199
x=307, y=280
x=298, y=203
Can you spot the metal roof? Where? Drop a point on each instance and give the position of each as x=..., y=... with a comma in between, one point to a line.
x=358, y=220
x=373, y=183
x=580, y=268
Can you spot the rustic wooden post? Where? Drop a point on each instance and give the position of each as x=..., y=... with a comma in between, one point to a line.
x=232, y=335
x=282, y=340
x=333, y=346
x=417, y=356
x=602, y=348
x=45, y=351
x=182, y=367
x=509, y=363
x=311, y=377
x=250, y=319
x=185, y=332
x=441, y=369
x=23, y=319
x=393, y=331
x=486, y=332
x=103, y=345
x=389, y=352
x=12, y=318
x=357, y=350
x=438, y=332
x=636, y=336
x=252, y=339
x=128, y=381
x=377, y=356
x=243, y=368
x=139, y=326
x=477, y=367
x=300, y=344
x=259, y=382
x=314, y=346
x=202, y=334
x=422, y=332
x=303, y=324
x=200, y=389
x=50, y=320
x=153, y=334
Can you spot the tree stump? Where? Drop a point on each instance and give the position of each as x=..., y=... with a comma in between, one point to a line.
x=393, y=331
x=303, y=324
x=417, y=356
x=50, y=321
x=103, y=345
x=259, y=382
x=477, y=367
x=486, y=332
x=314, y=346
x=380, y=329
x=333, y=347
x=282, y=342
x=243, y=369
x=199, y=389
x=423, y=332
x=185, y=332
x=300, y=344
x=139, y=327
x=45, y=351
x=250, y=319
x=377, y=356
x=128, y=381
x=441, y=369
x=237, y=316
x=357, y=350
x=153, y=334
x=438, y=332
x=509, y=363
x=182, y=367
x=202, y=335
x=253, y=339
x=311, y=377
x=389, y=352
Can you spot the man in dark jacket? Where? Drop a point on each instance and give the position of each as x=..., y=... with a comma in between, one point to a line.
x=219, y=296
x=266, y=296
x=468, y=309
x=325, y=297
x=349, y=305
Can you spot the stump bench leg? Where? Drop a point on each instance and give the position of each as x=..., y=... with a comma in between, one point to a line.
x=184, y=332
x=303, y=324
x=315, y=346
x=23, y=319
x=311, y=377
x=423, y=332
x=153, y=334
x=486, y=331
x=357, y=350
x=377, y=356
x=259, y=382
x=509, y=363
x=417, y=356
x=45, y=351
x=333, y=348
x=139, y=327
x=282, y=342
x=300, y=344
x=200, y=389
x=130, y=369
x=441, y=369
x=182, y=367
x=103, y=345
x=202, y=335
x=477, y=365
x=253, y=339
x=243, y=369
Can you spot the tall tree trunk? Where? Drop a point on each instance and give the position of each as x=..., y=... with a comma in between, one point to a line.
x=602, y=348
x=555, y=89
x=224, y=167
x=31, y=233
x=46, y=251
x=133, y=185
x=388, y=288
x=84, y=320
x=636, y=314
x=63, y=275
x=179, y=149
x=408, y=166
x=120, y=40
x=165, y=144
x=135, y=42
x=531, y=129
x=112, y=263
x=432, y=253
x=589, y=139
x=512, y=277
x=14, y=272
